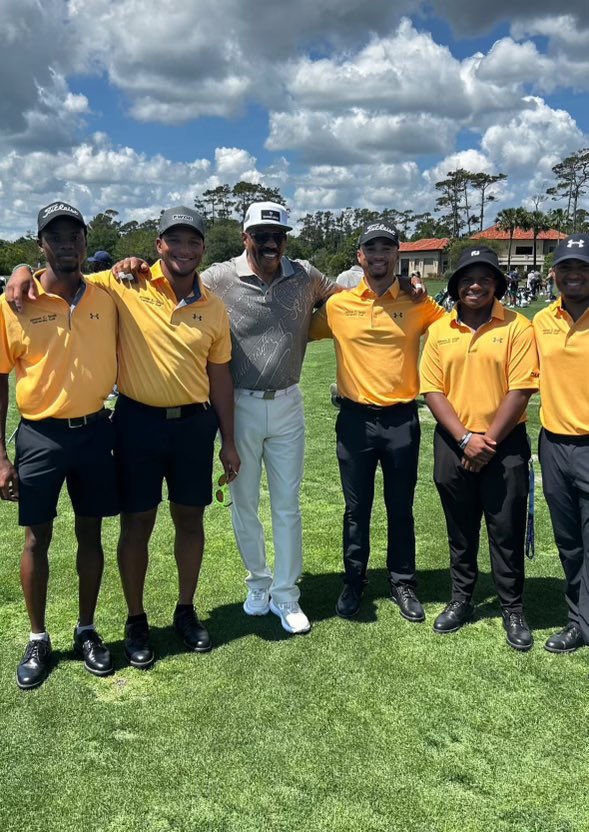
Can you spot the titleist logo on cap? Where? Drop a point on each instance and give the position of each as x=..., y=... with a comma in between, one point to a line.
x=268, y=214
x=378, y=226
x=60, y=206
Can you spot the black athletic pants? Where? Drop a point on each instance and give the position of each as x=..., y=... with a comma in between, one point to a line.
x=565, y=480
x=367, y=435
x=499, y=494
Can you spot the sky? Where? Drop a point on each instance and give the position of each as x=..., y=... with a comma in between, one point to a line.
x=138, y=105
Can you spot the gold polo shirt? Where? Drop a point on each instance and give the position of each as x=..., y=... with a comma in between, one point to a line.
x=476, y=369
x=563, y=346
x=376, y=342
x=65, y=356
x=164, y=345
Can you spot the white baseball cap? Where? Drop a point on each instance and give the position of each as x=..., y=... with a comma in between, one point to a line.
x=266, y=213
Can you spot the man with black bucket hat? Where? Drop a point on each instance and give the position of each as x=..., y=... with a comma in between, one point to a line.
x=562, y=335
x=478, y=370
x=63, y=350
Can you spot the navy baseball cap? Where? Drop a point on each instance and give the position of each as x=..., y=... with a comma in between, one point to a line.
x=56, y=210
x=575, y=247
x=374, y=230
x=181, y=215
x=477, y=256
x=100, y=257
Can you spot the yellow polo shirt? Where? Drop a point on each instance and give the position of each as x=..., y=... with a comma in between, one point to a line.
x=376, y=342
x=65, y=357
x=563, y=345
x=164, y=345
x=476, y=370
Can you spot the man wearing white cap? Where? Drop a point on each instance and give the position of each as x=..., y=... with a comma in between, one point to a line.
x=270, y=299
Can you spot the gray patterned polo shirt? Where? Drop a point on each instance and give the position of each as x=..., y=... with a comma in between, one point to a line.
x=269, y=323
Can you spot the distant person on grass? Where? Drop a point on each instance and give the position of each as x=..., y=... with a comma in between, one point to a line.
x=63, y=348
x=175, y=392
x=478, y=370
x=377, y=331
x=562, y=335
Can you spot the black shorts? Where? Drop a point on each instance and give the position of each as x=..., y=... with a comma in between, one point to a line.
x=49, y=452
x=151, y=448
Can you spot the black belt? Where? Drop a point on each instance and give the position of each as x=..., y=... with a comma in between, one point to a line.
x=74, y=422
x=179, y=412
x=567, y=438
x=379, y=408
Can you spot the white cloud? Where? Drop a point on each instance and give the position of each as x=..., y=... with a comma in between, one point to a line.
x=532, y=141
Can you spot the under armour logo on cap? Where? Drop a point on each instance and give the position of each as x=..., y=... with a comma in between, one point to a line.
x=573, y=248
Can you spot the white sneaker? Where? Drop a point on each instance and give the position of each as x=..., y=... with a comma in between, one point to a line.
x=257, y=602
x=292, y=618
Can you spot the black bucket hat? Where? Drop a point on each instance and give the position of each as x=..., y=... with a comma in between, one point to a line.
x=476, y=256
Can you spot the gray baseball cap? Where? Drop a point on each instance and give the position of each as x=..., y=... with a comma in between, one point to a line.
x=181, y=215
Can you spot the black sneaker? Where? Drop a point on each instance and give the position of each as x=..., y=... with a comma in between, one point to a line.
x=89, y=646
x=138, y=650
x=34, y=665
x=517, y=632
x=191, y=630
x=408, y=603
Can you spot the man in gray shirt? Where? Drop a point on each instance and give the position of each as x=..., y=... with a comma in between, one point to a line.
x=270, y=299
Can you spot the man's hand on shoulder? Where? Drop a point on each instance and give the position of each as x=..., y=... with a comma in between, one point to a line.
x=414, y=287
x=131, y=268
x=20, y=286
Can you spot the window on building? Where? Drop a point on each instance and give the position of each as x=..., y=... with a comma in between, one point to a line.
x=524, y=250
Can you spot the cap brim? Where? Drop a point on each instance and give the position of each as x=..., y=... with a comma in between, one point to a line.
x=375, y=235
x=571, y=256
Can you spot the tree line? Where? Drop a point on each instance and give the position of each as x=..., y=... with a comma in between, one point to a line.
x=329, y=238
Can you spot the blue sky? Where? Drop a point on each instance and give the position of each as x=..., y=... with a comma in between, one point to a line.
x=136, y=106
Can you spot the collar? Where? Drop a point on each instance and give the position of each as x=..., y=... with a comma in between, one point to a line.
x=41, y=289
x=198, y=290
x=363, y=289
x=243, y=268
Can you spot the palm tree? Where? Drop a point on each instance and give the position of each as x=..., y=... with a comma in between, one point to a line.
x=558, y=219
x=508, y=220
x=537, y=221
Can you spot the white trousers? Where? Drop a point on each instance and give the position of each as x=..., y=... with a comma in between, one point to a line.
x=271, y=431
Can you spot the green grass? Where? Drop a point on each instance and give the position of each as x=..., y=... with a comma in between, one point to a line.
x=371, y=724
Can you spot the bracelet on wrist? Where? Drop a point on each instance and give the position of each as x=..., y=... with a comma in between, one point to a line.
x=464, y=440
x=20, y=266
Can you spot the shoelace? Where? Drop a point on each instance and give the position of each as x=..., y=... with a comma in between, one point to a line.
x=516, y=618
x=289, y=606
x=34, y=650
x=455, y=605
x=407, y=593
x=258, y=594
x=92, y=637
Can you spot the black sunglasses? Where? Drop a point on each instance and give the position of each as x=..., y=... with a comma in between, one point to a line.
x=263, y=236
